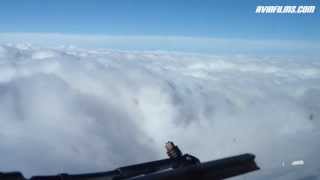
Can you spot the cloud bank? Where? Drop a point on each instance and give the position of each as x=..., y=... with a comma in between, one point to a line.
x=211, y=45
x=78, y=110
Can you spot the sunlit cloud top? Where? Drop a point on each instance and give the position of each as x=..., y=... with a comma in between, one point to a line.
x=289, y=48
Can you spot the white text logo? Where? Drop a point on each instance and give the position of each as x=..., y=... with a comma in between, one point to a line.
x=285, y=9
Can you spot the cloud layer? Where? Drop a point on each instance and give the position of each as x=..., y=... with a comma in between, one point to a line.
x=76, y=110
x=223, y=46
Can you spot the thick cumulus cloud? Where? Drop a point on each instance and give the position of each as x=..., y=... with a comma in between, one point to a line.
x=74, y=110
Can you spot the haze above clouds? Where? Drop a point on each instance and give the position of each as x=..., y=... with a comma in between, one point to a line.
x=76, y=110
x=293, y=49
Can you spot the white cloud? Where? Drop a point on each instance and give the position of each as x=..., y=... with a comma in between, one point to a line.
x=77, y=110
x=224, y=46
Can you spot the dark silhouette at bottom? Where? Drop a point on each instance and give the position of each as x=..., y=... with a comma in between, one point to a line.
x=177, y=167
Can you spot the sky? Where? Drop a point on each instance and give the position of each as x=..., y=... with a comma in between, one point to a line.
x=206, y=18
x=207, y=26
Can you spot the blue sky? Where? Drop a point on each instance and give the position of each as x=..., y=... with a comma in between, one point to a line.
x=204, y=18
x=217, y=19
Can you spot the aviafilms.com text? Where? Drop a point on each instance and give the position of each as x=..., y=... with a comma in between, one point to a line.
x=285, y=9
